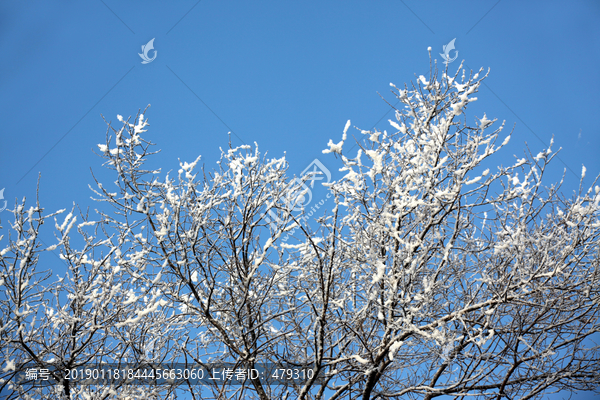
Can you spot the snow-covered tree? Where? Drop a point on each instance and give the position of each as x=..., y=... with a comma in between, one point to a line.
x=432, y=273
x=82, y=319
x=463, y=280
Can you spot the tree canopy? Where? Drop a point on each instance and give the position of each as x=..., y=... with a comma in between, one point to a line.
x=428, y=272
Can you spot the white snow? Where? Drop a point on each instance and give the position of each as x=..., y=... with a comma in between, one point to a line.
x=394, y=347
x=395, y=124
x=484, y=122
x=380, y=271
x=10, y=366
x=359, y=359
x=140, y=205
x=474, y=180
x=346, y=129
x=163, y=232
x=377, y=161
x=268, y=244
x=337, y=148
x=131, y=298
x=334, y=148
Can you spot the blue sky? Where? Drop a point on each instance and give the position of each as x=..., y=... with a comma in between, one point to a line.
x=287, y=75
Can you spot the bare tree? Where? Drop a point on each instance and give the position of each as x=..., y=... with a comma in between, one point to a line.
x=431, y=274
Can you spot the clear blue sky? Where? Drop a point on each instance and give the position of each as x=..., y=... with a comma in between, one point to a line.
x=287, y=75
